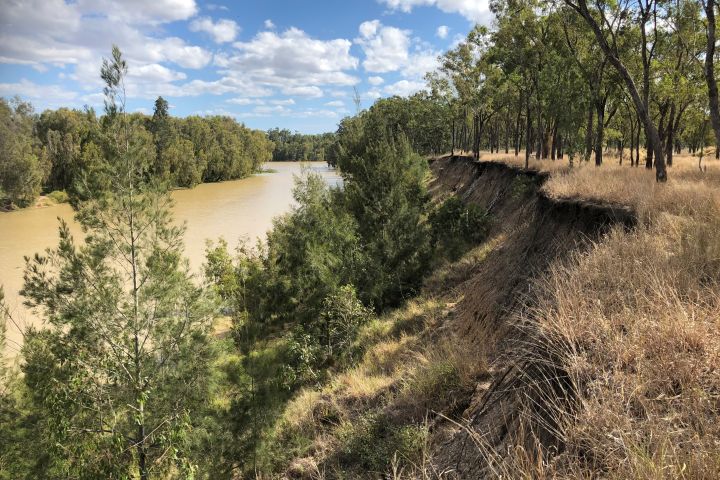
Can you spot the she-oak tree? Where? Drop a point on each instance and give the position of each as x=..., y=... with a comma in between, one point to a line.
x=124, y=359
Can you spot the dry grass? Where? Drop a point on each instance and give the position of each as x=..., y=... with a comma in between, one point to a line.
x=688, y=192
x=636, y=322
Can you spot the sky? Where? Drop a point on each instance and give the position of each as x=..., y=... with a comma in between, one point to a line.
x=271, y=63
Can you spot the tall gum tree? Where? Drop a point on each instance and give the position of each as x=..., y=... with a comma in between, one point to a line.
x=606, y=26
x=709, y=8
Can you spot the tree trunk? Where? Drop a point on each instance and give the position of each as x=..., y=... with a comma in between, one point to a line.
x=528, y=129
x=589, y=133
x=452, y=148
x=642, y=108
x=670, y=136
x=637, y=144
x=518, y=133
x=709, y=6
x=600, y=137
x=539, y=132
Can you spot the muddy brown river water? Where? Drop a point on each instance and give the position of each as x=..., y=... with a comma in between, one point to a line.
x=235, y=210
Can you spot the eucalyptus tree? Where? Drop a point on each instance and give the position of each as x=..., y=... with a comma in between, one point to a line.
x=710, y=78
x=680, y=84
x=608, y=22
x=519, y=50
x=123, y=359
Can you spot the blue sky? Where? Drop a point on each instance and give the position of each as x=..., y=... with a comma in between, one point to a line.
x=272, y=63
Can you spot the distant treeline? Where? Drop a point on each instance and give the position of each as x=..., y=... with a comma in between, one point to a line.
x=423, y=119
x=296, y=146
x=59, y=149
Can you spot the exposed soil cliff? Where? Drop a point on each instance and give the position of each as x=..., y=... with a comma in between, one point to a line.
x=535, y=231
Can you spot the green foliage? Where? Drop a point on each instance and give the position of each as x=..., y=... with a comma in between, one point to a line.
x=385, y=191
x=311, y=252
x=457, y=226
x=22, y=165
x=124, y=362
x=293, y=147
x=59, y=196
x=64, y=149
x=522, y=186
x=372, y=441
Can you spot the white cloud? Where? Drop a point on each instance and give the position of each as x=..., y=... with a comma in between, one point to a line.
x=154, y=73
x=306, y=91
x=385, y=48
x=335, y=103
x=375, y=81
x=246, y=101
x=442, y=31
x=269, y=24
x=55, y=95
x=404, y=88
x=474, y=10
x=221, y=31
x=292, y=62
x=271, y=109
x=141, y=11
x=288, y=101
x=176, y=50
x=295, y=55
x=53, y=32
x=421, y=63
x=374, y=94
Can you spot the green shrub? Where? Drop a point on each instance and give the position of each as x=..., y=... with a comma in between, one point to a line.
x=456, y=226
x=370, y=443
x=522, y=185
x=59, y=196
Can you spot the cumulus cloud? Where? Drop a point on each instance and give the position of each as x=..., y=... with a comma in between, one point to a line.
x=140, y=11
x=421, y=63
x=269, y=24
x=222, y=31
x=294, y=54
x=386, y=48
x=245, y=101
x=442, y=31
x=474, y=10
x=335, y=103
x=292, y=62
x=53, y=32
x=404, y=88
x=54, y=95
x=155, y=73
x=375, y=81
x=304, y=91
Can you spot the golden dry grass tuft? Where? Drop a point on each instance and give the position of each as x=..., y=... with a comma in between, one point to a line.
x=688, y=192
x=636, y=322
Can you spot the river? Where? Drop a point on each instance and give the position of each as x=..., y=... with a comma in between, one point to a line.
x=234, y=210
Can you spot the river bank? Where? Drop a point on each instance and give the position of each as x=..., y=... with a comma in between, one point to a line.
x=237, y=210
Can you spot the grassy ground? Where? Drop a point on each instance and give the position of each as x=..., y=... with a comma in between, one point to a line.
x=634, y=321
x=373, y=418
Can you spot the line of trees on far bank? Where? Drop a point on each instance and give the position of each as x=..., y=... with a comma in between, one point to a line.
x=61, y=150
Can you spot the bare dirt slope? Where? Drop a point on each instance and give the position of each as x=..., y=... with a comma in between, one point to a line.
x=535, y=231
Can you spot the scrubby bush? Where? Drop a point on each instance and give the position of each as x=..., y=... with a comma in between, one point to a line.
x=372, y=442
x=59, y=196
x=457, y=226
